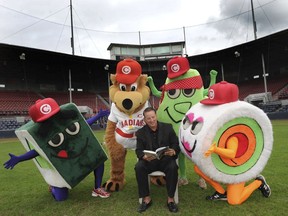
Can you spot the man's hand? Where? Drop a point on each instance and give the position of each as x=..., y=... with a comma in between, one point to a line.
x=170, y=152
x=148, y=158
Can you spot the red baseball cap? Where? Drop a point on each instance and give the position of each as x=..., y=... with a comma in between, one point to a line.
x=220, y=93
x=43, y=109
x=177, y=66
x=127, y=71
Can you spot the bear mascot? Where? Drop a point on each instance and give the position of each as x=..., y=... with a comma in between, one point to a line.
x=129, y=95
x=230, y=142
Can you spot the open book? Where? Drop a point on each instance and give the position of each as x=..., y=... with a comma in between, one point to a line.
x=158, y=154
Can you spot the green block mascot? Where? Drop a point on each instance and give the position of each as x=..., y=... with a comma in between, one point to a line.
x=61, y=144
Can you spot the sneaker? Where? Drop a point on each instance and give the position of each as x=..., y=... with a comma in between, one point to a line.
x=202, y=184
x=217, y=196
x=264, y=187
x=100, y=192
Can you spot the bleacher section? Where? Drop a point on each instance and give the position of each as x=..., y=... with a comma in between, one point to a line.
x=270, y=107
x=283, y=108
x=11, y=123
x=14, y=104
x=283, y=94
x=17, y=103
x=91, y=100
x=257, y=86
x=154, y=101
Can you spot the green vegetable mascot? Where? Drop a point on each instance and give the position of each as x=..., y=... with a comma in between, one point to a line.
x=183, y=89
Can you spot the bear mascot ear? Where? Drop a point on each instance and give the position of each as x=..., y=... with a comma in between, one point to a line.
x=113, y=79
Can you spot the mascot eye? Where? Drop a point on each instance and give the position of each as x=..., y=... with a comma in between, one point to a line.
x=133, y=87
x=57, y=140
x=196, y=127
x=173, y=93
x=186, y=123
x=122, y=87
x=73, y=129
x=189, y=92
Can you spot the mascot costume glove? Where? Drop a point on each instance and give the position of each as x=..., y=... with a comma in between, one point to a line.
x=16, y=159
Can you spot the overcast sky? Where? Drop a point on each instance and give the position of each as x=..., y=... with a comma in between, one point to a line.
x=205, y=25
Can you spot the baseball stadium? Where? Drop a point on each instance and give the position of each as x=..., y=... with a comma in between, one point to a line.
x=259, y=69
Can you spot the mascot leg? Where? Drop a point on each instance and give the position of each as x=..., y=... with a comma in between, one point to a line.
x=202, y=183
x=59, y=194
x=158, y=180
x=217, y=186
x=117, y=176
x=182, y=170
x=238, y=193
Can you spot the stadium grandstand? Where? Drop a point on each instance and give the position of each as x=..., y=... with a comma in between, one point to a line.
x=259, y=68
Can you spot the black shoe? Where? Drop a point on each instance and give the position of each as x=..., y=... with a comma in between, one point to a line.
x=172, y=207
x=217, y=196
x=264, y=187
x=144, y=206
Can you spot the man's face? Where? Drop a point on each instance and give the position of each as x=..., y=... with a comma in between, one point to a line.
x=150, y=119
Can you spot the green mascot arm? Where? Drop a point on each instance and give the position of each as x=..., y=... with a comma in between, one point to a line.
x=213, y=75
x=153, y=88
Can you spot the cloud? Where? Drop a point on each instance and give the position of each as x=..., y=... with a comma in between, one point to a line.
x=209, y=25
x=270, y=16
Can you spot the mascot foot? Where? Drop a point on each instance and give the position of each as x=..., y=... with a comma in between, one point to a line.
x=113, y=185
x=158, y=180
x=202, y=183
x=59, y=194
x=182, y=181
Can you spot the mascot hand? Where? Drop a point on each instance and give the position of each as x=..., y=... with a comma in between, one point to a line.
x=213, y=73
x=150, y=79
x=153, y=88
x=12, y=162
x=16, y=159
x=210, y=150
x=103, y=113
x=100, y=115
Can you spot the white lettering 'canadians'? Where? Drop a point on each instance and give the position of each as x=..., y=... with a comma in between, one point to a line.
x=132, y=122
x=127, y=125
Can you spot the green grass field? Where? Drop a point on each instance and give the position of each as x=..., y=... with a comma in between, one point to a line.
x=24, y=191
